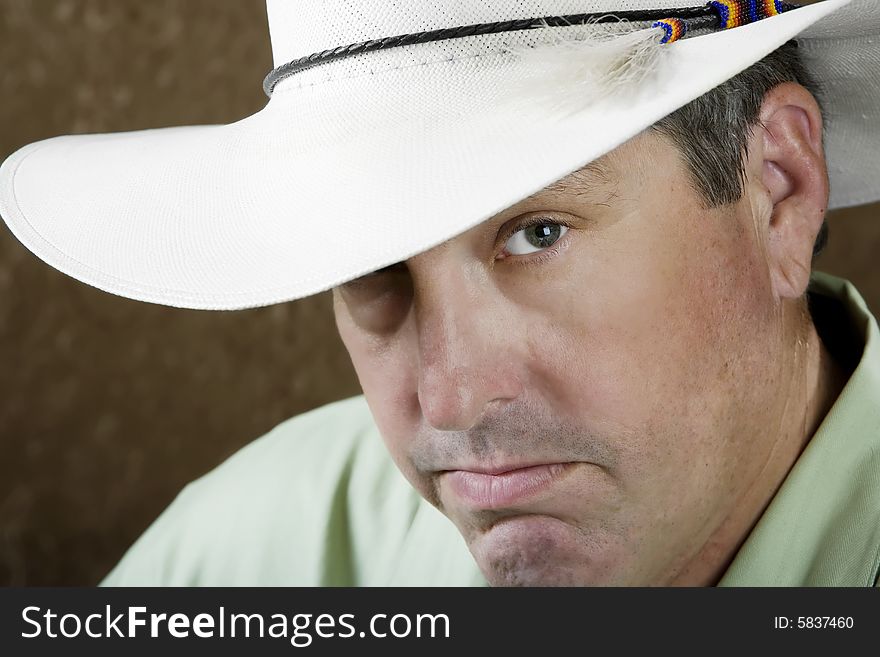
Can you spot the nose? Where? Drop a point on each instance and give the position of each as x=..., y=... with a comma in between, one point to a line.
x=465, y=348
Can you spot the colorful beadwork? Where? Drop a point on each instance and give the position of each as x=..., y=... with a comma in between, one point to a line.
x=735, y=13
x=730, y=12
x=773, y=7
x=675, y=28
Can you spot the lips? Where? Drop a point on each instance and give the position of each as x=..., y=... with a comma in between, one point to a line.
x=500, y=489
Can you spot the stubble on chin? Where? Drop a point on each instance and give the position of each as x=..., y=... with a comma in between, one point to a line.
x=543, y=551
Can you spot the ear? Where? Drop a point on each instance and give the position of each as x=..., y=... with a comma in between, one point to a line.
x=790, y=165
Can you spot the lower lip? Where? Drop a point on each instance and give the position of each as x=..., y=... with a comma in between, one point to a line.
x=496, y=491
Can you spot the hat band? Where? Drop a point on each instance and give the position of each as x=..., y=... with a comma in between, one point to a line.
x=675, y=23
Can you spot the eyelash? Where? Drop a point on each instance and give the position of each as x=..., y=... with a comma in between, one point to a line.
x=538, y=257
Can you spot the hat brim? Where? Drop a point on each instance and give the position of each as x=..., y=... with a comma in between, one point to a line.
x=332, y=181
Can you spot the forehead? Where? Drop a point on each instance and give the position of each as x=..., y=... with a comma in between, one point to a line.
x=646, y=157
x=595, y=183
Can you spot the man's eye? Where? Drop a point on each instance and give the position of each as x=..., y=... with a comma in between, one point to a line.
x=534, y=238
x=396, y=268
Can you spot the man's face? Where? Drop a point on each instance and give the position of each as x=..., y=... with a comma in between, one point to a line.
x=586, y=397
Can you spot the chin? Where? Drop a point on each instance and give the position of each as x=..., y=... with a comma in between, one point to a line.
x=534, y=550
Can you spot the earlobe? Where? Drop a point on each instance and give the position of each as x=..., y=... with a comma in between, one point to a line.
x=794, y=173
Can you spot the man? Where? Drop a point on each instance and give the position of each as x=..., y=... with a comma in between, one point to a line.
x=626, y=377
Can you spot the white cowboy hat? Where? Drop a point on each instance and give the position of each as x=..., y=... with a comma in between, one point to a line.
x=373, y=152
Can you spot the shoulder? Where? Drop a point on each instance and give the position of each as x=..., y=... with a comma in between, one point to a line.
x=297, y=506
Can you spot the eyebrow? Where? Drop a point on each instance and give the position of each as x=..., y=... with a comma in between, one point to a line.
x=585, y=181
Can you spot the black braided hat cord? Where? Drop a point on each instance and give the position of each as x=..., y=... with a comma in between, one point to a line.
x=706, y=17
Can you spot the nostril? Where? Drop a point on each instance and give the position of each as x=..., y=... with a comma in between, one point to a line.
x=460, y=398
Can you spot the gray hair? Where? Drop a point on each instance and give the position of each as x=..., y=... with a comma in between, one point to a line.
x=712, y=132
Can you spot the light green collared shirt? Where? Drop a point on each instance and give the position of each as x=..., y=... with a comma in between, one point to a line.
x=318, y=501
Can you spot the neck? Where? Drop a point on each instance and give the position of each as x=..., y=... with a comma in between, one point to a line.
x=817, y=380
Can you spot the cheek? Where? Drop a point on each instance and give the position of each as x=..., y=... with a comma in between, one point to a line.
x=659, y=335
x=389, y=384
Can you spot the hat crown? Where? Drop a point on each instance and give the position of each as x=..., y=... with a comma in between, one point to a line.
x=301, y=27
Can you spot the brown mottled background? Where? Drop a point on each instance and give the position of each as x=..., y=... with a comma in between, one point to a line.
x=109, y=406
